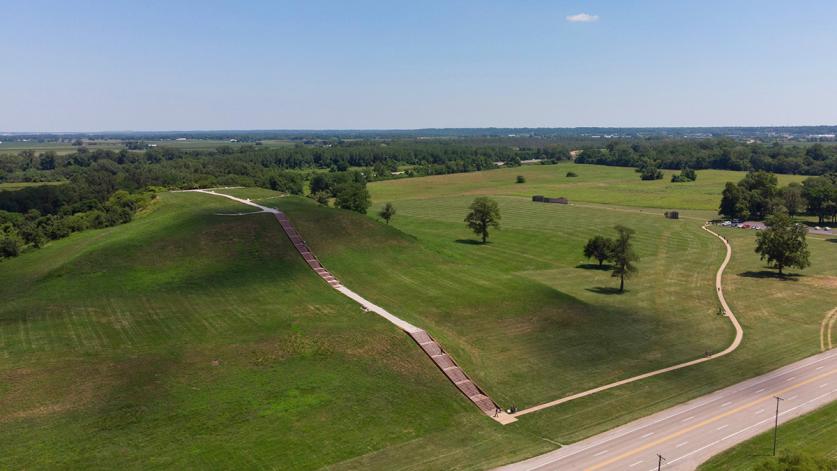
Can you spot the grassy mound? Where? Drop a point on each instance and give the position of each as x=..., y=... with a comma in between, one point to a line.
x=187, y=339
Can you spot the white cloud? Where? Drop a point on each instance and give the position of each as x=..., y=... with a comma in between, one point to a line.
x=582, y=18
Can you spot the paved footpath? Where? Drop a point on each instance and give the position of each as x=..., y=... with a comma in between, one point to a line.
x=429, y=345
x=689, y=434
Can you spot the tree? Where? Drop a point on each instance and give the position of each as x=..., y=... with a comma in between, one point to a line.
x=10, y=242
x=484, y=213
x=623, y=256
x=387, y=212
x=733, y=202
x=600, y=248
x=783, y=243
x=762, y=189
x=521, y=179
x=818, y=192
x=353, y=196
x=792, y=198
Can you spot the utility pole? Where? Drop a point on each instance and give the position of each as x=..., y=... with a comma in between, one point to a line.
x=660, y=461
x=776, y=424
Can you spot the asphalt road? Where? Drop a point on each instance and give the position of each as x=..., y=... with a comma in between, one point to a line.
x=689, y=434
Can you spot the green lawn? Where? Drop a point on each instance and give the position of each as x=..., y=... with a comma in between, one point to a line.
x=813, y=433
x=193, y=340
x=189, y=340
x=594, y=184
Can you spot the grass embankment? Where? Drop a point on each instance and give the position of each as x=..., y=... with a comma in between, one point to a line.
x=190, y=340
x=813, y=434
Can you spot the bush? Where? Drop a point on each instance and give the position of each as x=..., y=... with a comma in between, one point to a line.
x=320, y=197
x=521, y=179
x=651, y=173
x=571, y=174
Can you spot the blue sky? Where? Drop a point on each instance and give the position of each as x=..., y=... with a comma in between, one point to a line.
x=131, y=65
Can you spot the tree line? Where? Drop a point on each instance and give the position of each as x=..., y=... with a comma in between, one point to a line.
x=722, y=154
x=758, y=196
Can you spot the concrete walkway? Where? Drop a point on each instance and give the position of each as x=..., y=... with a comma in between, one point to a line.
x=432, y=348
x=739, y=335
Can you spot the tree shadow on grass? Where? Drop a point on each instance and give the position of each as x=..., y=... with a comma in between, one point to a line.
x=606, y=290
x=833, y=241
x=766, y=274
x=593, y=266
x=470, y=242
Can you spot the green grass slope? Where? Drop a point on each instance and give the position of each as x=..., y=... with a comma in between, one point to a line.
x=190, y=340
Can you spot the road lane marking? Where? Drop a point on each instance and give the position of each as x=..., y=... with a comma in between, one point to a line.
x=727, y=403
x=823, y=385
x=600, y=453
x=790, y=379
x=788, y=411
x=761, y=390
x=819, y=368
x=647, y=435
x=722, y=427
x=637, y=463
x=723, y=393
x=687, y=419
x=792, y=397
x=680, y=444
x=705, y=422
x=759, y=411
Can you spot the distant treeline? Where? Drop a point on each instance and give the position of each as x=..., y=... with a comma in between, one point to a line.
x=255, y=166
x=723, y=154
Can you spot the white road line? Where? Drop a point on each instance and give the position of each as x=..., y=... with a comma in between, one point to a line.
x=823, y=385
x=761, y=390
x=722, y=427
x=790, y=379
x=680, y=444
x=674, y=460
x=600, y=453
x=687, y=419
x=792, y=397
x=727, y=403
x=759, y=411
x=722, y=394
x=819, y=368
x=637, y=463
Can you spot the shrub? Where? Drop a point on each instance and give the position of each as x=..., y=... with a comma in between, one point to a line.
x=571, y=174
x=521, y=179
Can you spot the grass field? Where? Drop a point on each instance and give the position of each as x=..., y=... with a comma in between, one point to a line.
x=813, y=433
x=19, y=185
x=194, y=340
x=594, y=184
x=189, y=340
